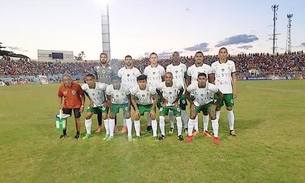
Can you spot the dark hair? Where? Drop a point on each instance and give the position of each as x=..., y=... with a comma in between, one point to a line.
x=128, y=56
x=90, y=75
x=142, y=77
x=153, y=53
x=115, y=78
x=199, y=52
x=175, y=52
x=223, y=48
x=202, y=74
x=104, y=54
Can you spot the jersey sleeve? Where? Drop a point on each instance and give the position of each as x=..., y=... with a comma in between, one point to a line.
x=108, y=90
x=120, y=73
x=162, y=71
x=190, y=88
x=60, y=93
x=188, y=72
x=233, y=69
x=213, y=88
x=138, y=72
x=213, y=68
x=145, y=71
x=152, y=90
x=210, y=70
x=80, y=90
x=84, y=87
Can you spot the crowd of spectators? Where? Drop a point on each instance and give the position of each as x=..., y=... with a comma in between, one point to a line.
x=264, y=64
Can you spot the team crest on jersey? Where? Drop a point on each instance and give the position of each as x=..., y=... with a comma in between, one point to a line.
x=143, y=95
x=128, y=75
x=202, y=94
x=170, y=93
x=177, y=71
x=93, y=94
x=73, y=92
x=222, y=69
x=154, y=72
x=117, y=95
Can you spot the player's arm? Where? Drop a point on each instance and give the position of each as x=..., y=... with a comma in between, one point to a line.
x=234, y=84
x=134, y=103
x=179, y=95
x=108, y=100
x=211, y=78
x=91, y=102
x=60, y=104
x=159, y=92
x=155, y=101
x=220, y=97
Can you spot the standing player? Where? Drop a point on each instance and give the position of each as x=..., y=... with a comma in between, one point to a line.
x=154, y=73
x=95, y=91
x=178, y=70
x=118, y=97
x=129, y=75
x=71, y=97
x=225, y=79
x=203, y=93
x=169, y=93
x=192, y=74
x=103, y=72
x=144, y=99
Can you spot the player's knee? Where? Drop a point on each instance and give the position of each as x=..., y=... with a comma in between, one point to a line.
x=229, y=108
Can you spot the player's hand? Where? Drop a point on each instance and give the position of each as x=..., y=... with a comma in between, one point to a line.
x=176, y=104
x=81, y=109
x=91, y=104
x=193, y=106
x=234, y=95
x=152, y=114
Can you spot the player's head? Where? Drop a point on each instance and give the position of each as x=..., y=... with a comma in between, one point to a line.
x=153, y=58
x=142, y=81
x=168, y=77
x=223, y=53
x=66, y=80
x=90, y=80
x=116, y=82
x=176, y=57
x=128, y=60
x=198, y=57
x=202, y=79
x=103, y=58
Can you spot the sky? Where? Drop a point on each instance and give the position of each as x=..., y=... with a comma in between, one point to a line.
x=139, y=27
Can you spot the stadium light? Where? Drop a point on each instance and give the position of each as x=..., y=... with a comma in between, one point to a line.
x=104, y=5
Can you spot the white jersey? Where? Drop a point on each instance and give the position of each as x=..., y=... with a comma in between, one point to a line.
x=129, y=76
x=170, y=93
x=118, y=96
x=154, y=75
x=97, y=94
x=193, y=71
x=223, y=75
x=202, y=95
x=178, y=72
x=143, y=97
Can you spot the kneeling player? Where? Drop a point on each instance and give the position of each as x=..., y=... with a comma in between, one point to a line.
x=203, y=93
x=144, y=99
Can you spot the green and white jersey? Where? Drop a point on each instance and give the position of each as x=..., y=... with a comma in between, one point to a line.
x=154, y=75
x=143, y=97
x=118, y=96
x=223, y=75
x=193, y=71
x=202, y=95
x=104, y=74
x=129, y=76
x=178, y=72
x=97, y=94
x=170, y=93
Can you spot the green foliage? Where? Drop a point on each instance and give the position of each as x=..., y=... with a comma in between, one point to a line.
x=269, y=147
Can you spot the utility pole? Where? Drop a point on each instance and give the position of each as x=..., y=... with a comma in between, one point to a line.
x=274, y=9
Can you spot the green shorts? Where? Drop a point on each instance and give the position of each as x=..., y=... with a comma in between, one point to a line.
x=116, y=108
x=164, y=110
x=97, y=110
x=204, y=108
x=144, y=108
x=182, y=102
x=228, y=100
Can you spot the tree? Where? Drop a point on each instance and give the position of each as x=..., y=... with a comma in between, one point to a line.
x=80, y=56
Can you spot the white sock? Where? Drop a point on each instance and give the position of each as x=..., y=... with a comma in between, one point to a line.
x=205, y=122
x=88, y=123
x=124, y=118
x=162, y=125
x=154, y=126
x=190, y=127
x=129, y=126
x=196, y=123
x=137, y=127
x=231, y=119
x=148, y=119
x=217, y=116
x=215, y=127
x=111, y=126
x=179, y=125
x=171, y=118
x=185, y=118
x=106, y=124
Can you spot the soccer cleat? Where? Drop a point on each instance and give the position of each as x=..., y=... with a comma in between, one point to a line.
x=189, y=139
x=77, y=136
x=87, y=136
x=136, y=138
x=180, y=137
x=99, y=129
x=148, y=128
x=124, y=129
x=62, y=136
x=129, y=138
x=206, y=133
x=110, y=138
x=195, y=133
x=171, y=130
x=216, y=140
x=185, y=130
x=161, y=137
x=106, y=137
x=232, y=133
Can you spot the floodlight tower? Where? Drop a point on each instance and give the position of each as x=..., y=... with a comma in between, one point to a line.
x=274, y=9
x=105, y=27
x=288, y=40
